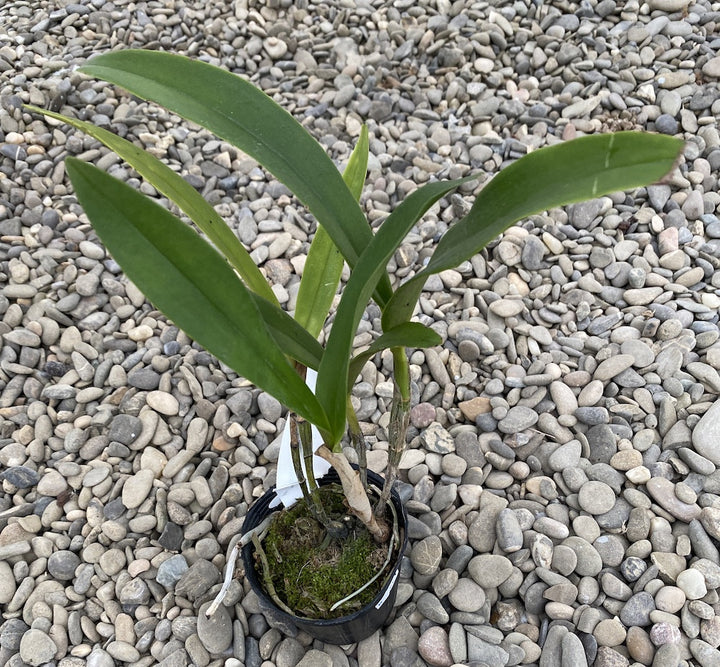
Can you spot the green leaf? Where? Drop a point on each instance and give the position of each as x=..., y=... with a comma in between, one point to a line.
x=295, y=341
x=332, y=380
x=356, y=168
x=555, y=176
x=178, y=190
x=407, y=334
x=243, y=115
x=181, y=274
x=324, y=262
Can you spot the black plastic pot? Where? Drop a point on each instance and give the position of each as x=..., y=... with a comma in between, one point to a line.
x=346, y=629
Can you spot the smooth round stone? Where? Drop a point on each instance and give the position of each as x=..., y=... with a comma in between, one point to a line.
x=553, y=528
x=589, y=562
x=215, y=632
x=626, y=459
x=422, y=415
x=444, y=581
x=8, y=586
x=639, y=646
x=518, y=419
x=162, y=402
x=170, y=570
x=611, y=549
x=437, y=439
x=596, y=497
x=454, y=465
x=507, y=307
x=614, y=587
x=636, y=610
x=467, y=596
x=709, y=627
x=52, y=483
x=692, y=583
x=125, y=429
x=609, y=657
x=134, y=592
x=123, y=651
x=670, y=599
x=665, y=633
x=432, y=609
x=662, y=491
x=666, y=124
x=554, y=646
x=564, y=398
x=426, y=554
x=137, y=488
x=667, y=655
x=489, y=570
x=615, y=365
x=36, y=648
x=509, y=533
x=706, y=655
x=95, y=475
x=564, y=560
x=434, y=647
x=566, y=456
x=62, y=564
x=609, y=632
x=706, y=434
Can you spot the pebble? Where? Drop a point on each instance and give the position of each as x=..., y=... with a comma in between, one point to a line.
x=215, y=632
x=171, y=570
x=706, y=434
x=136, y=488
x=434, y=647
x=36, y=647
x=596, y=497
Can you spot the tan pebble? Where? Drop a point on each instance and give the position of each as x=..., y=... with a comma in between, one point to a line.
x=140, y=333
x=222, y=445
x=162, y=402
x=138, y=566
x=626, y=459
x=475, y=407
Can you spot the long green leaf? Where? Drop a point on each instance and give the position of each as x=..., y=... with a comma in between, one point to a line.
x=294, y=340
x=356, y=169
x=555, y=176
x=178, y=190
x=236, y=111
x=182, y=275
x=324, y=263
x=407, y=334
x=332, y=380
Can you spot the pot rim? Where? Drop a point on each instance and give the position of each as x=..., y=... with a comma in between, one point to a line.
x=389, y=584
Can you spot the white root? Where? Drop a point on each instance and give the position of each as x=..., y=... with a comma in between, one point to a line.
x=237, y=543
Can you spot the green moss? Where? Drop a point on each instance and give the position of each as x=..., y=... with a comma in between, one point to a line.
x=310, y=571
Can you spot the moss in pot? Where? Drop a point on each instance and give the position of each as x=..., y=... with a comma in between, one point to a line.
x=209, y=285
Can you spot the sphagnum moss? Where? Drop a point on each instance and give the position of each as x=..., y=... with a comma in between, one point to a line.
x=310, y=572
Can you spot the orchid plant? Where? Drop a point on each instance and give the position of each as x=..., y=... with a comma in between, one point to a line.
x=211, y=288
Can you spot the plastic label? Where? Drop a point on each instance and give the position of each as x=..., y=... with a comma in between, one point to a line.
x=388, y=590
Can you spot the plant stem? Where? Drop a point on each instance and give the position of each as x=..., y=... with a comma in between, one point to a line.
x=305, y=437
x=399, y=420
x=295, y=455
x=301, y=436
x=355, y=494
x=358, y=442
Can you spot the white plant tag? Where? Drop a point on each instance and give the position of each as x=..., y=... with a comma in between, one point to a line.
x=381, y=601
x=287, y=488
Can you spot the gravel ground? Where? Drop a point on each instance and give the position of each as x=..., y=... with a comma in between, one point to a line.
x=562, y=478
